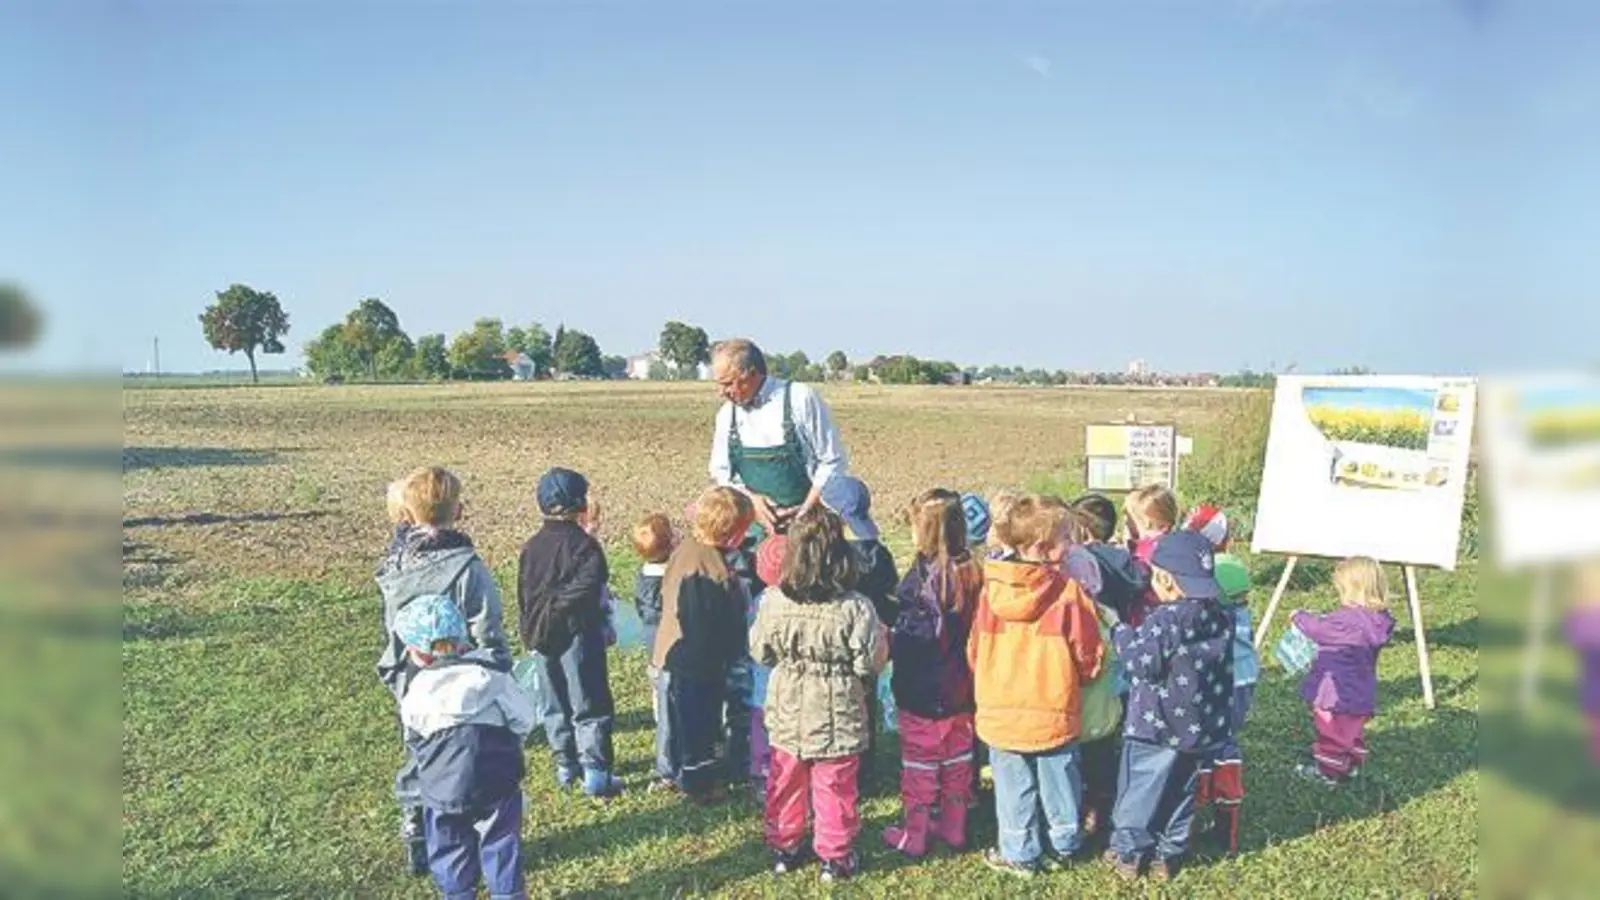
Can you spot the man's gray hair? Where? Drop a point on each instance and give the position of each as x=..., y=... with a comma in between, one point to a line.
x=741, y=353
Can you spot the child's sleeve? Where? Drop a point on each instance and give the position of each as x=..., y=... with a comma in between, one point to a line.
x=1583, y=629
x=761, y=649
x=518, y=709
x=479, y=599
x=1088, y=651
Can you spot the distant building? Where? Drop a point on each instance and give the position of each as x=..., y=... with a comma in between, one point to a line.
x=522, y=368
x=639, y=366
x=1138, y=367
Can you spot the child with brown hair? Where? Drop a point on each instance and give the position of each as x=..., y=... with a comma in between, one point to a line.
x=823, y=641
x=1034, y=643
x=653, y=541
x=1342, y=686
x=700, y=638
x=1150, y=512
x=932, y=678
x=429, y=555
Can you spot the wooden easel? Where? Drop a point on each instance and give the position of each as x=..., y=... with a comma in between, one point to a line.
x=1416, y=621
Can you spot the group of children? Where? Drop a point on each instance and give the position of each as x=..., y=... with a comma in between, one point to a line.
x=1104, y=677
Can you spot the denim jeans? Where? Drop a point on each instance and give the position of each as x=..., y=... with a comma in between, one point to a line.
x=1026, y=784
x=576, y=705
x=1155, y=801
x=695, y=710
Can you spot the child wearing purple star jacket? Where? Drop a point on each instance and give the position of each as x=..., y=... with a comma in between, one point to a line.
x=1179, y=665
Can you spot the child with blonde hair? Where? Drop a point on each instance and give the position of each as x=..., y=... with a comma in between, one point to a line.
x=1150, y=513
x=700, y=638
x=823, y=641
x=932, y=679
x=1342, y=686
x=1000, y=509
x=1035, y=642
x=428, y=556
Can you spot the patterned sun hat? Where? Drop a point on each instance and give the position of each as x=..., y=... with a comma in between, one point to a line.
x=1210, y=521
x=769, y=559
x=429, y=619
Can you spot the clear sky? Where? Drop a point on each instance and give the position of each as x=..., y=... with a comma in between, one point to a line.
x=1204, y=184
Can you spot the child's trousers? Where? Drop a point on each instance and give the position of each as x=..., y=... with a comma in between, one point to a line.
x=935, y=774
x=1155, y=801
x=1025, y=784
x=824, y=788
x=736, y=721
x=462, y=847
x=659, y=681
x=760, y=750
x=1222, y=775
x=694, y=709
x=577, y=708
x=1340, y=745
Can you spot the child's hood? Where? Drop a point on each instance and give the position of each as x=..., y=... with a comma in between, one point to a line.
x=424, y=570
x=1354, y=626
x=454, y=692
x=1022, y=591
x=1117, y=564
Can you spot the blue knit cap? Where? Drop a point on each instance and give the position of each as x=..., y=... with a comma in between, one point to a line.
x=976, y=512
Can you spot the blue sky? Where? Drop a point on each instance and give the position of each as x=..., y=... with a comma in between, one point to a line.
x=1400, y=184
x=1370, y=398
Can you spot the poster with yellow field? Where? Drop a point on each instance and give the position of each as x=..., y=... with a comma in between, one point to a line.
x=1367, y=465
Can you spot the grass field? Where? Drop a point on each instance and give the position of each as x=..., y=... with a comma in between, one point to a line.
x=258, y=747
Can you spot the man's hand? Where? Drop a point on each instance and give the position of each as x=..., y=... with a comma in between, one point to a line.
x=766, y=511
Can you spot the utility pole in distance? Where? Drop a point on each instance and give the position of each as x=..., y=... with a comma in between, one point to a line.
x=155, y=358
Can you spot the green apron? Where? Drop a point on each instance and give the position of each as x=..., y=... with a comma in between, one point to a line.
x=778, y=473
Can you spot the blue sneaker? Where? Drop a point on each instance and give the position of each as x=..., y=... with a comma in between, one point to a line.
x=566, y=777
x=600, y=783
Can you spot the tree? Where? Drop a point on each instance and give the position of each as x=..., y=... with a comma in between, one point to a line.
x=616, y=367
x=329, y=354
x=371, y=327
x=659, y=371
x=576, y=353
x=684, y=347
x=248, y=320
x=19, y=318
x=479, y=354
x=535, y=342
x=397, y=359
x=838, y=364
x=432, y=360
x=863, y=374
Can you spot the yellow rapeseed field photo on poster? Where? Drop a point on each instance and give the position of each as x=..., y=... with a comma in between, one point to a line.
x=1380, y=434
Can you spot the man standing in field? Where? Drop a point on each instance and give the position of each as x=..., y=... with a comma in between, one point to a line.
x=773, y=439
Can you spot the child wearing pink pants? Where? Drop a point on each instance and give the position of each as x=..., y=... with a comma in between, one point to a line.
x=822, y=641
x=932, y=679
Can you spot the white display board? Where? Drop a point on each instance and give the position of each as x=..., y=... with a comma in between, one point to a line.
x=1367, y=465
x=1541, y=444
x=1125, y=456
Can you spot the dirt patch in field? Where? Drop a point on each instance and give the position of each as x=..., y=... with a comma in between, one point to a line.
x=290, y=481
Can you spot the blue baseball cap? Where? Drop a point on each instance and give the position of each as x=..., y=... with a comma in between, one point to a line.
x=562, y=492
x=429, y=619
x=848, y=497
x=1189, y=558
x=976, y=512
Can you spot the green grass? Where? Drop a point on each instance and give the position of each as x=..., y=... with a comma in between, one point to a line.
x=258, y=751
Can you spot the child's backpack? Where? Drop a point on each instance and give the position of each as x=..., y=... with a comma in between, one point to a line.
x=1294, y=651
x=1102, y=704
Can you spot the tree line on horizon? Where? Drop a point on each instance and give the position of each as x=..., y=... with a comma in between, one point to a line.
x=369, y=344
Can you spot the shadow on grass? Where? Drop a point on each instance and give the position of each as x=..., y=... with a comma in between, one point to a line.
x=136, y=458
x=62, y=457
x=221, y=519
